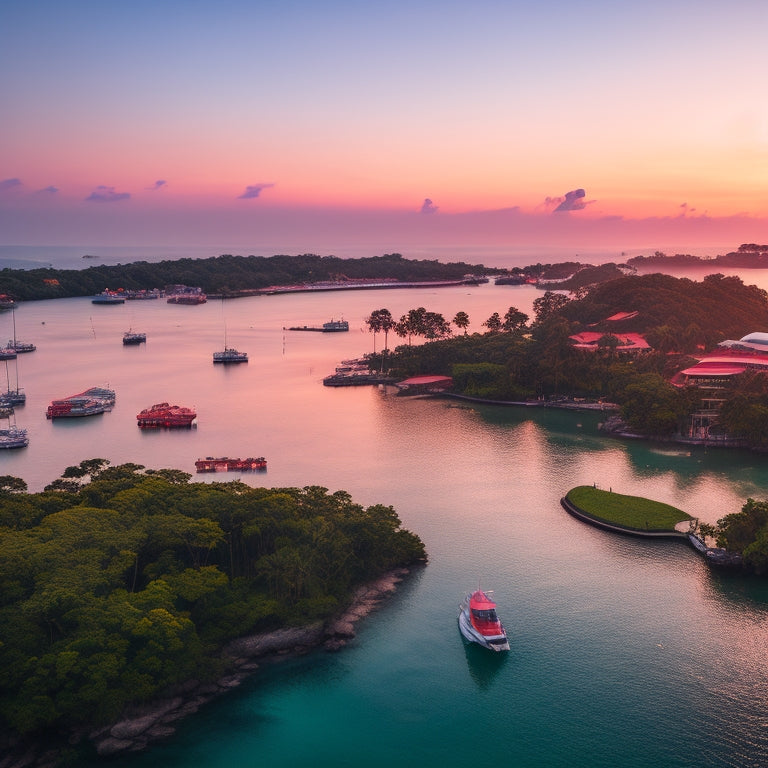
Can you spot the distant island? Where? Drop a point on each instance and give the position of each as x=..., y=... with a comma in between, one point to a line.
x=232, y=276
x=747, y=256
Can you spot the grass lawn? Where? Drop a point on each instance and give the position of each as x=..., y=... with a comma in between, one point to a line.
x=629, y=511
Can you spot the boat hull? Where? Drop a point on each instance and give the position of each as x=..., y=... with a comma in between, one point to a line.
x=165, y=416
x=13, y=437
x=229, y=356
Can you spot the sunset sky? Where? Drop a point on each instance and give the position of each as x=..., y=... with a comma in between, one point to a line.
x=294, y=126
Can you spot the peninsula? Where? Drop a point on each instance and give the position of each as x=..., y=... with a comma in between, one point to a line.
x=124, y=585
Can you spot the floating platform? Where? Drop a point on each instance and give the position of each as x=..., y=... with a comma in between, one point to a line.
x=226, y=464
x=334, y=326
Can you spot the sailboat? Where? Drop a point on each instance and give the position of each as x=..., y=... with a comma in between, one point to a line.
x=13, y=437
x=19, y=346
x=12, y=396
x=229, y=354
x=134, y=337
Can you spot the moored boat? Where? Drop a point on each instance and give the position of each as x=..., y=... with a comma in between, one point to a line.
x=191, y=298
x=92, y=402
x=226, y=464
x=108, y=297
x=74, y=408
x=230, y=355
x=332, y=326
x=165, y=415
x=479, y=623
x=132, y=337
x=185, y=294
x=143, y=294
x=7, y=353
x=13, y=437
x=20, y=346
x=13, y=397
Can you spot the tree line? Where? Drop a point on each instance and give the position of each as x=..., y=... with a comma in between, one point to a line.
x=517, y=358
x=224, y=274
x=116, y=582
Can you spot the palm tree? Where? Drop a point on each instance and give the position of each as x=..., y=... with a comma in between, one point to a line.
x=514, y=320
x=381, y=320
x=461, y=321
x=493, y=323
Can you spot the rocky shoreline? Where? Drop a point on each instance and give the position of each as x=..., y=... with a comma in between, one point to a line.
x=142, y=725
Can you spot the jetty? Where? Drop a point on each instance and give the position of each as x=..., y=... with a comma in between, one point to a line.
x=332, y=326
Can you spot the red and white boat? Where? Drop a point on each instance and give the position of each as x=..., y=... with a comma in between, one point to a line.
x=165, y=415
x=478, y=622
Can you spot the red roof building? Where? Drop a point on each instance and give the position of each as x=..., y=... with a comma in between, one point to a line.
x=716, y=371
x=627, y=342
x=426, y=384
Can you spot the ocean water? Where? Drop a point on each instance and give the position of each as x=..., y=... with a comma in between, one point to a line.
x=624, y=652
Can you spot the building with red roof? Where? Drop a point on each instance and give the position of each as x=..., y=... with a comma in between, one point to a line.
x=626, y=342
x=716, y=371
x=422, y=384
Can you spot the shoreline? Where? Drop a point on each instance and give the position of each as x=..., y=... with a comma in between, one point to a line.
x=142, y=725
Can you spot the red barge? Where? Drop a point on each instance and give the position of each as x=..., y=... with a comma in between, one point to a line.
x=165, y=415
x=225, y=464
x=89, y=403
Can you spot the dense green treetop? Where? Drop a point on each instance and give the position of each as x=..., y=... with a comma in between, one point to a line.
x=518, y=360
x=745, y=532
x=716, y=308
x=123, y=581
x=224, y=274
x=750, y=255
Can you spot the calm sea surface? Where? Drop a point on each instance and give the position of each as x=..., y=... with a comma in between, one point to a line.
x=624, y=653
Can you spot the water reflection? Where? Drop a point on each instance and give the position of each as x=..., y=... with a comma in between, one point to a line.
x=483, y=665
x=747, y=593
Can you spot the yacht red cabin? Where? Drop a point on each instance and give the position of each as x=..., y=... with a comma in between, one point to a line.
x=482, y=611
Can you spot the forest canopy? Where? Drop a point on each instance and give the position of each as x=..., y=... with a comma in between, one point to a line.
x=116, y=582
x=224, y=274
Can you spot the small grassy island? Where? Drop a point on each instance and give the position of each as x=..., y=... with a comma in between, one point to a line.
x=633, y=513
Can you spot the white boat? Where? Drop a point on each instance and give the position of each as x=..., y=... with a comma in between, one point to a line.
x=107, y=297
x=133, y=337
x=479, y=623
x=13, y=437
x=229, y=355
x=19, y=346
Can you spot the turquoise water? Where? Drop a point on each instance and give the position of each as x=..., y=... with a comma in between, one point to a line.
x=624, y=653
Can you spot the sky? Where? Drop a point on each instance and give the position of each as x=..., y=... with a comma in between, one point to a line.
x=296, y=126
